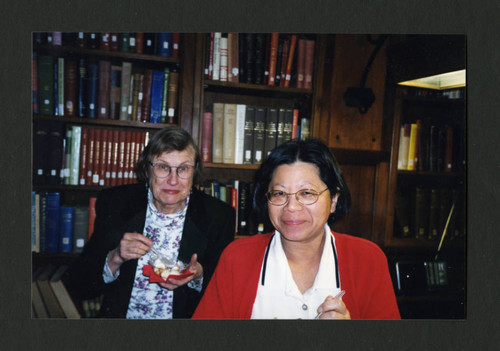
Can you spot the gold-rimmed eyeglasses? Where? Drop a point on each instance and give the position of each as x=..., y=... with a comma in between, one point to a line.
x=303, y=196
x=162, y=170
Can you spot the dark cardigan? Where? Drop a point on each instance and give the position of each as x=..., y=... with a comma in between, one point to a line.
x=209, y=227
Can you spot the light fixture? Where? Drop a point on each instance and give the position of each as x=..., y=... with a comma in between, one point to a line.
x=449, y=80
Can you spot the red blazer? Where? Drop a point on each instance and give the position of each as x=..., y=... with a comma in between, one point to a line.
x=364, y=275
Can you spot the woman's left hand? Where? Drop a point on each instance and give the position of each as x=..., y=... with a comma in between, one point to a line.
x=194, y=267
x=333, y=308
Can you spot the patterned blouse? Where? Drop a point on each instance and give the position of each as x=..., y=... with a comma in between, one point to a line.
x=151, y=301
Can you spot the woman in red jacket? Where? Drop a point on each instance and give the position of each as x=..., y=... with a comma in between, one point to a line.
x=302, y=269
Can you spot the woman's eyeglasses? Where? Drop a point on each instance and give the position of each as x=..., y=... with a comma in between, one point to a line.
x=162, y=170
x=303, y=196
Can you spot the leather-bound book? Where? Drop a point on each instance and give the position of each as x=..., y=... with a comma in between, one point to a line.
x=115, y=91
x=104, y=90
x=173, y=86
x=70, y=88
x=146, y=97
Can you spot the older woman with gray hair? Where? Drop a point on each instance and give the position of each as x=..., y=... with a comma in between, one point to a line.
x=164, y=212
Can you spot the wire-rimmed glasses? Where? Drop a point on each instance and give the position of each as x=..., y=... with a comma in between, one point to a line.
x=162, y=170
x=303, y=196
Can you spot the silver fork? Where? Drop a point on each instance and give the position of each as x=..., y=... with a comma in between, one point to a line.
x=338, y=296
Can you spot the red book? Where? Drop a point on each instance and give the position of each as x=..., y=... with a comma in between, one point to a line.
x=83, y=156
x=105, y=41
x=211, y=56
x=90, y=156
x=92, y=215
x=126, y=159
x=131, y=160
x=114, y=156
x=109, y=158
x=103, y=157
x=97, y=156
x=70, y=88
x=139, y=42
x=291, y=55
x=308, y=63
x=272, y=58
x=295, y=123
x=284, y=60
x=104, y=90
x=122, y=138
x=206, y=137
x=175, y=44
x=146, y=95
x=301, y=57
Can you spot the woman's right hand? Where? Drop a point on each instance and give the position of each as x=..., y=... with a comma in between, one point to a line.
x=132, y=246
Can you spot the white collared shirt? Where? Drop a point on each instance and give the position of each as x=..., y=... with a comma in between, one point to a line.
x=280, y=298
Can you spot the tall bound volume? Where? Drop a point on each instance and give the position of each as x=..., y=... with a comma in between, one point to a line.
x=239, y=138
x=146, y=99
x=115, y=91
x=52, y=224
x=206, y=137
x=271, y=130
x=70, y=88
x=92, y=90
x=217, y=131
x=248, y=137
x=45, y=84
x=280, y=127
x=156, y=96
x=173, y=84
x=308, y=64
x=125, y=92
x=80, y=228
x=229, y=133
x=259, y=134
x=67, y=214
x=164, y=97
x=103, y=96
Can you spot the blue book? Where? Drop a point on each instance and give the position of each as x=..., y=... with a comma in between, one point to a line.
x=93, y=72
x=52, y=224
x=43, y=220
x=164, y=44
x=67, y=214
x=33, y=221
x=34, y=90
x=156, y=97
x=216, y=186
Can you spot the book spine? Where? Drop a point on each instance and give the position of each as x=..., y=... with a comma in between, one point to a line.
x=92, y=215
x=82, y=88
x=114, y=42
x=84, y=143
x=136, y=96
x=109, y=158
x=103, y=96
x=76, y=136
x=97, y=156
x=55, y=153
x=52, y=229
x=125, y=42
x=102, y=157
x=308, y=64
x=90, y=156
x=40, y=152
x=449, y=150
x=249, y=55
x=217, y=132
x=421, y=218
x=216, y=61
x=305, y=128
x=260, y=71
x=139, y=42
x=301, y=57
x=273, y=59
x=67, y=214
x=164, y=99
x=405, y=147
x=164, y=44
x=248, y=137
x=290, y=61
x=232, y=54
x=70, y=86
x=125, y=89
x=206, y=137
x=92, y=90
x=223, y=59
x=46, y=85
x=295, y=123
x=284, y=61
x=271, y=129
x=156, y=96
x=243, y=207
x=411, y=147
x=211, y=44
x=287, y=127
x=60, y=85
x=173, y=87
x=146, y=99
x=114, y=91
x=115, y=151
x=279, y=57
x=259, y=134
x=104, y=41
x=229, y=133
x=280, y=127
x=176, y=38
x=434, y=209
x=239, y=138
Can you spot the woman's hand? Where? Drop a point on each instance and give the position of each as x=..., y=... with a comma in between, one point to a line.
x=194, y=267
x=333, y=308
x=132, y=246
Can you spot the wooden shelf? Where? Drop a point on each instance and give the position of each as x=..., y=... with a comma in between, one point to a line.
x=59, y=49
x=102, y=122
x=231, y=166
x=218, y=85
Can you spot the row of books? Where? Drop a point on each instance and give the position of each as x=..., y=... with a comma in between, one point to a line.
x=49, y=296
x=428, y=211
x=428, y=148
x=244, y=134
x=453, y=94
x=81, y=87
x=58, y=228
x=238, y=194
x=82, y=155
x=424, y=276
x=160, y=44
x=284, y=60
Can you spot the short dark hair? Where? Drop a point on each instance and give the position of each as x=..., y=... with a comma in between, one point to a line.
x=312, y=151
x=166, y=140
